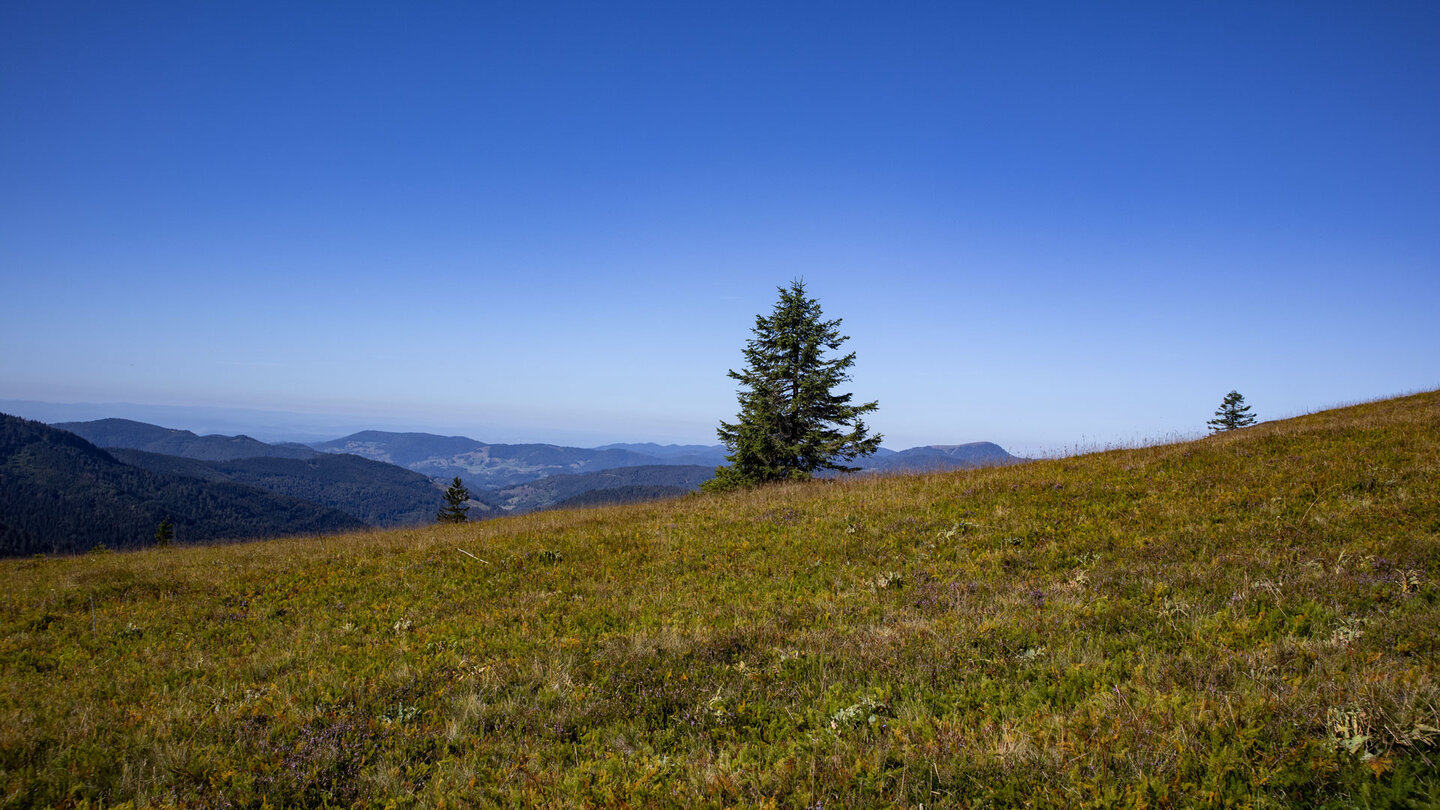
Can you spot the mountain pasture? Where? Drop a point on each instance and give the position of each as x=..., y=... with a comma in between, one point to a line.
x=1247, y=620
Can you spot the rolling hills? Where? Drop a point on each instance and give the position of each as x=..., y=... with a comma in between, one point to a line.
x=499, y=466
x=501, y=477
x=481, y=465
x=619, y=485
x=376, y=493
x=696, y=455
x=125, y=433
x=936, y=458
x=379, y=491
x=1248, y=620
x=62, y=494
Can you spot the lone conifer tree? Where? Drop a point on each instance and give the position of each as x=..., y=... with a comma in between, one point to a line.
x=1233, y=414
x=790, y=422
x=455, y=507
x=164, y=533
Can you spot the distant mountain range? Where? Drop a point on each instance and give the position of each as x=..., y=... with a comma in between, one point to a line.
x=707, y=455
x=939, y=457
x=226, y=487
x=492, y=466
x=495, y=466
x=154, y=439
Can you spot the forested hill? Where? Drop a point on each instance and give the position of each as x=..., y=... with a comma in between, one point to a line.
x=377, y=493
x=938, y=457
x=619, y=485
x=126, y=433
x=60, y=494
x=703, y=455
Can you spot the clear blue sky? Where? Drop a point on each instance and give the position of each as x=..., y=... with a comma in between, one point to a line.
x=1044, y=224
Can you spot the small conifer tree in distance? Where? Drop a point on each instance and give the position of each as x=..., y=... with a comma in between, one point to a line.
x=1232, y=415
x=164, y=533
x=791, y=422
x=455, y=507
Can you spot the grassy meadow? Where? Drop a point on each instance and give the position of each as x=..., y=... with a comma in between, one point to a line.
x=1248, y=620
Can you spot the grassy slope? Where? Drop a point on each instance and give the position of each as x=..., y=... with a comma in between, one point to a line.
x=1249, y=620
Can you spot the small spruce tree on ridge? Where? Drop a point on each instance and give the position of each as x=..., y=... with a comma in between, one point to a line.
x=1233, y=414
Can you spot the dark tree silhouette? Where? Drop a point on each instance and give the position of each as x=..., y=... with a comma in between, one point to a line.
x=165, y=533
x=455, y=507
x=791, y=421
x=1232, y=414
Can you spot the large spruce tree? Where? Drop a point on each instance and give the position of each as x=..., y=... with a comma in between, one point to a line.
x=1232, y=414
x=791, y=422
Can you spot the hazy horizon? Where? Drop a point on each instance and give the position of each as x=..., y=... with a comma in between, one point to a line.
x=288, y=426
x=282, y=426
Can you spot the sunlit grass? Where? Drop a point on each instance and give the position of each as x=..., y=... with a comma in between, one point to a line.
x=1245, y=620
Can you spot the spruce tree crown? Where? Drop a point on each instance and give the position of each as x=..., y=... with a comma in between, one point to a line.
x=791, y=424
x=455, y=507
x=1232, y=414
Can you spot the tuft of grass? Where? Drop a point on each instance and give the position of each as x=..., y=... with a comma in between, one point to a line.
x=1247, y=620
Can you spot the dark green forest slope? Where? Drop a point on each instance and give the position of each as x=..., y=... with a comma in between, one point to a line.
x=61, y=494
x=620, y=485
x=615, y=496
x=377, y=493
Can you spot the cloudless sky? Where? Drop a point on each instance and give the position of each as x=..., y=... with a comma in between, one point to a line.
x=1045, y=224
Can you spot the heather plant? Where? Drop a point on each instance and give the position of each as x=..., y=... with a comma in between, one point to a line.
x=1248, y=620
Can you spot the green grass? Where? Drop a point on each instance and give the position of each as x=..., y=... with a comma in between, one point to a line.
x=1249, y=620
